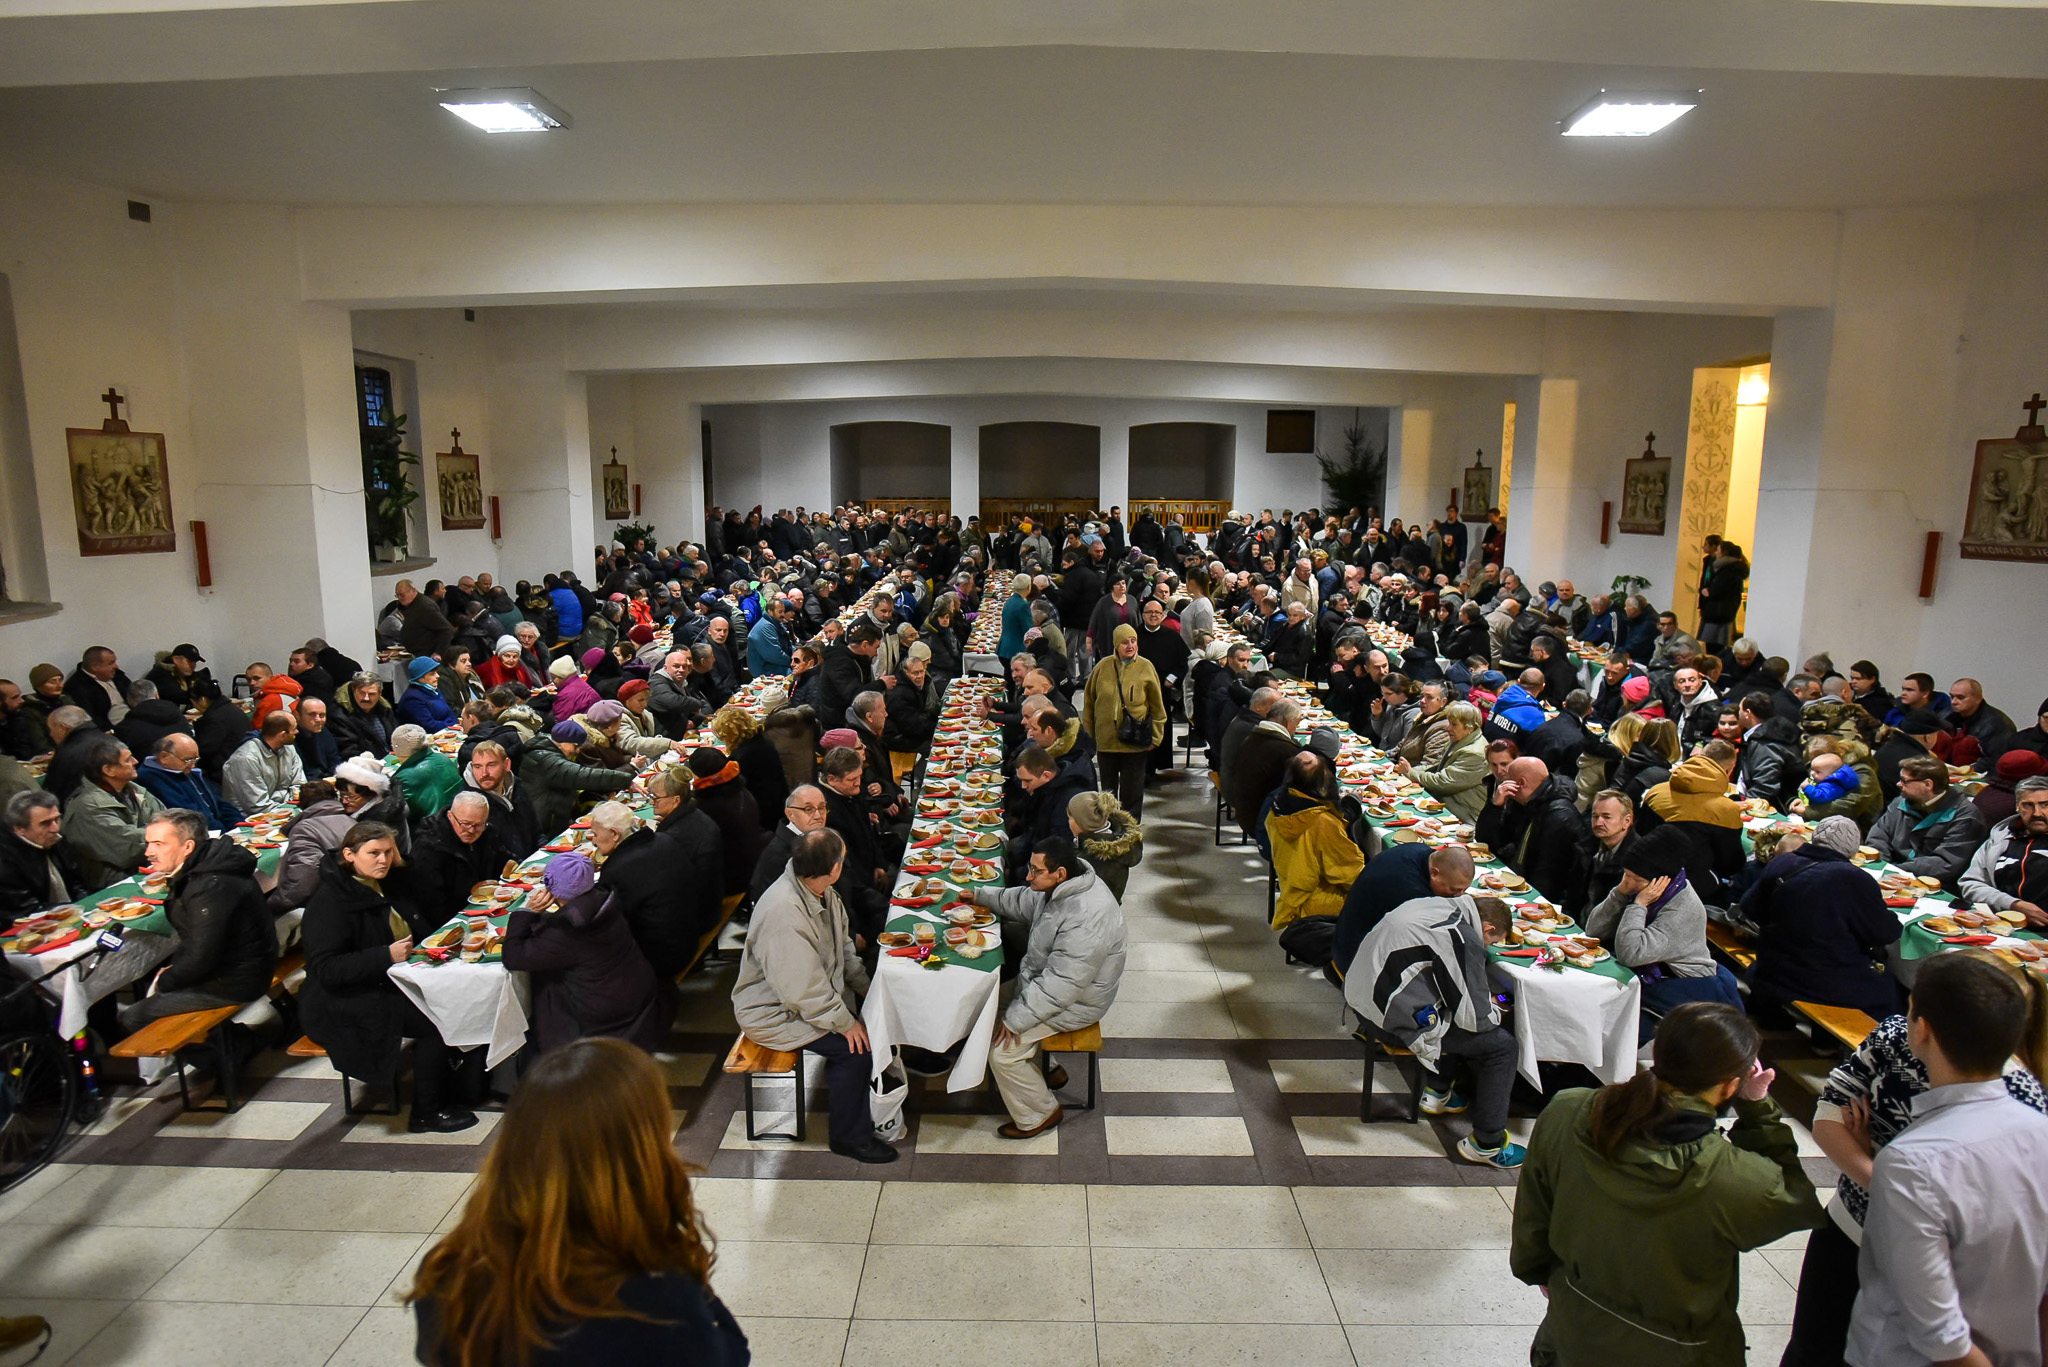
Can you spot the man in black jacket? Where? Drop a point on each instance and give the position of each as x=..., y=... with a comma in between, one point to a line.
x=1597, y=855
x=489, y=772
x=847, y=671
x=865, y=878
x=1770, y=766
x=175, y=674
x=99, y=686
x=72, y=731
x=1532, y=826
x=1048, y=787
x=1560, y=741
x=1081, y=588
x=150, y=718
x=226, y=940
x=36, y=868
x=803, y=812
x=453, y=852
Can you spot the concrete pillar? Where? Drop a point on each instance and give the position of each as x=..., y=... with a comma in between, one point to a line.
x=1113, y=480
x=1542, y=506
x=541, y=414
x=668, y=435
x=1411, y=442
x=964, y=486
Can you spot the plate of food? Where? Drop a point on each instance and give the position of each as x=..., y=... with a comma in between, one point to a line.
x=1427, y=804
x=971, y=871
x=983, y=818
x=127, y=908
x=893, y=939
x=1940, y=925
x=1866, y=854
x=447, y=937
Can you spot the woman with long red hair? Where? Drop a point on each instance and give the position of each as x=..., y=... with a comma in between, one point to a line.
x=580, y=1243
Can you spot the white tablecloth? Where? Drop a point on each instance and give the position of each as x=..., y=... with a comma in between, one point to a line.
x=470, y=1004
x=1573, y=1017
x=933, y=1009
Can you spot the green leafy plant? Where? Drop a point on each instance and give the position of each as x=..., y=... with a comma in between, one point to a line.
x=388, y=487
x=1625, y=584
x=626, y=533
x=1357, y=478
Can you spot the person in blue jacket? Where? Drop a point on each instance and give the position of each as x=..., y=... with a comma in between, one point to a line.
x=1016, y=618
x=769, y=642
x=568, y=609
x=422, y=704
x=1640, y=624
x=172, y=773
x=1517, y=712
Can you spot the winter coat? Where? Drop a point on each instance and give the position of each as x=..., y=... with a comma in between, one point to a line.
x=512, y=817
x=189, y=789
x=1114, y=851
x=768, y=647
x=104, y=831
x=1256, y=769
x=2005, y=858
x=795, y=733
x=1421, y=971
x=445, y=867
x=1394, y=725
x=426, y=629
x=1314, y=857
x=146, y=724
x=308, y=838
x=667, y=884
x=558, y=786
x=761, y=770
x=1721, y=595
x=256, y=777
x=799, y=975
x=349, y=1005
x=1016, y=619
x=844, y=675
x=424, y=708
x=1676, y=940
x=1545, y=837
x=1937, y=842
x=678, y=705
x=1639, y=1252
x=357, y=732
x=1770, y=762
x=90, y=694
x=430, y=781
x=319, y=757
x=913, y=714
x=1073, y=955
x=589, y=976
x=1116, y=687
x=1826, y=931
x=1044, y=813
x=575, y=696
x=1514, y=714
x=1459, y=779
x=226, y=939
x=727, y=802
x=1643, y=768
x=25, y=877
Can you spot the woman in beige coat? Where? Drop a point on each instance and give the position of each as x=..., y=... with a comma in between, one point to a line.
x=798, y=983
x=1458, y=780
x=1124, y=684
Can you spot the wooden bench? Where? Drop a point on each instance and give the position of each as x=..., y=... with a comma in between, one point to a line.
x=709, y=939
x=758, y=1061
x=1848, y=1025
x=901, y=763
x=1379, y=1051
x=1087, y=1040
x=166, y=1037
x=306, y=1047
x=1739, y=953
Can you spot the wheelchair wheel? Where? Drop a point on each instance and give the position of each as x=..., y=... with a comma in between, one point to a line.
x=38, y=1090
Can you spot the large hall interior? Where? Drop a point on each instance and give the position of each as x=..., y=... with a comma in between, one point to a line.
x=652, y=391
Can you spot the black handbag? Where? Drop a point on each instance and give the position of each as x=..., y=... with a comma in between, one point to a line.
x=1132, y=731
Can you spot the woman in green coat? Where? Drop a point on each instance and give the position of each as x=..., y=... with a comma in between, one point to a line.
x=1634, y=1208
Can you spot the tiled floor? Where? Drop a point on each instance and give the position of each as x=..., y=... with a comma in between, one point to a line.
x=1223, y=1204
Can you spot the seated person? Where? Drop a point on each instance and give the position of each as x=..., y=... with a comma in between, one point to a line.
x=1695, y=800
x=36, y=868
x=453, y=852
x=1066, y=979
x=1829, y=788
x=1596, y=858
x=1045, y=786
x=1825, y=928
x=867, y=867
x=673, y=889
x=360, y=921
x=1532, y=826
x=225, y=941
x=1397, y=874
x=1314, y=859
x=427, y=777
x=107, y=813
x=589, y=976
x=2009, y=872
x=798, y=985
x=803, y=813
x=1426, y=962
x=1930, y=828
x=172, y=772
x=1657, y=925
x=319, y=827
x=721, y=794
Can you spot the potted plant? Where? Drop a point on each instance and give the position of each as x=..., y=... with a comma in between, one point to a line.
x=388, y=489
x=626, y=533
x=1626, y=584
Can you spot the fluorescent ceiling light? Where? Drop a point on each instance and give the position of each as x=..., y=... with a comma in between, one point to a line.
x=1616, y=114
x=514, y=109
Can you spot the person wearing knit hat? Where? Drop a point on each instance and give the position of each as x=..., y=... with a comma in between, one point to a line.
x=561, y=669
x=641, y=634
x=1827, y=933
x=639, y=730
x=839, y=737
x=1325, y=741
x=558, y=781
x=588, y=974
x=1656, y=924
x=1634, y=690
x=1124, y=712
x=605, y=713
x=364, y=771
x=771, y=700
x=1108, y=837
x=566, y=733
x=722, y=796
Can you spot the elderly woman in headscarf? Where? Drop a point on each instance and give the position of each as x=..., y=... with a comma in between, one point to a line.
x=1108, y=837
x=589, y=976
x=1825, y=928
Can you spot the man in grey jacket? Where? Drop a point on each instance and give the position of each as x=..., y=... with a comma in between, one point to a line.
x=1073, y=960
x=798, y=982
x=1930, y=829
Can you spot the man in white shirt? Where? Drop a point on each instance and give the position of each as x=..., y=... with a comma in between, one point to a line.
x=1954, y=1264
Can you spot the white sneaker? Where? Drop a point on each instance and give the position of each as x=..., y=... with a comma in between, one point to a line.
x=1444, y=1103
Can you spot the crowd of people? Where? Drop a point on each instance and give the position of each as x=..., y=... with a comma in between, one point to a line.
x=1617, y=796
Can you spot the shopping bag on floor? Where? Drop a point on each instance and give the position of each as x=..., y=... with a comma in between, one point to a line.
x=886, y=1096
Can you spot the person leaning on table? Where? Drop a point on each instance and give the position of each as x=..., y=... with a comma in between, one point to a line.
x=1457, y=780
x=798, y=980
x=1073, y=960
x=1656, y=924
x=1633, y=1207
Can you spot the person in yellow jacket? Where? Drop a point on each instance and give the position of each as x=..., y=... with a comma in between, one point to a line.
x=1124, y=686
x=1314, y=856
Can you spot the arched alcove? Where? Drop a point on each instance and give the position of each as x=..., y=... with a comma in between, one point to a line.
x=891, y=461
x=1182, y=460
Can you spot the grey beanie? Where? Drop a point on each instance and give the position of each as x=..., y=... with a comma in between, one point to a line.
x=1838, y=833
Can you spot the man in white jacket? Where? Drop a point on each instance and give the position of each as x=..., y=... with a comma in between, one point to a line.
x=1073, y=960
x=264, y=771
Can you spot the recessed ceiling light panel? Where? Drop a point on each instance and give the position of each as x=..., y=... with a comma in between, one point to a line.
x=1629, y=114
x=511, y=109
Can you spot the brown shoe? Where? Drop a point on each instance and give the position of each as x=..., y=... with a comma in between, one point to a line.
x=19, y=1332
x=1008, y=1129
x=1056, y=1077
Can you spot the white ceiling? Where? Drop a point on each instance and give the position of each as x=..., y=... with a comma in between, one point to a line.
x=1052, y=125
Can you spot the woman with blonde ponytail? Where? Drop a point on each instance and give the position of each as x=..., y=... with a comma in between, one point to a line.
x=1634, y=1207
x=1864, y=1105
